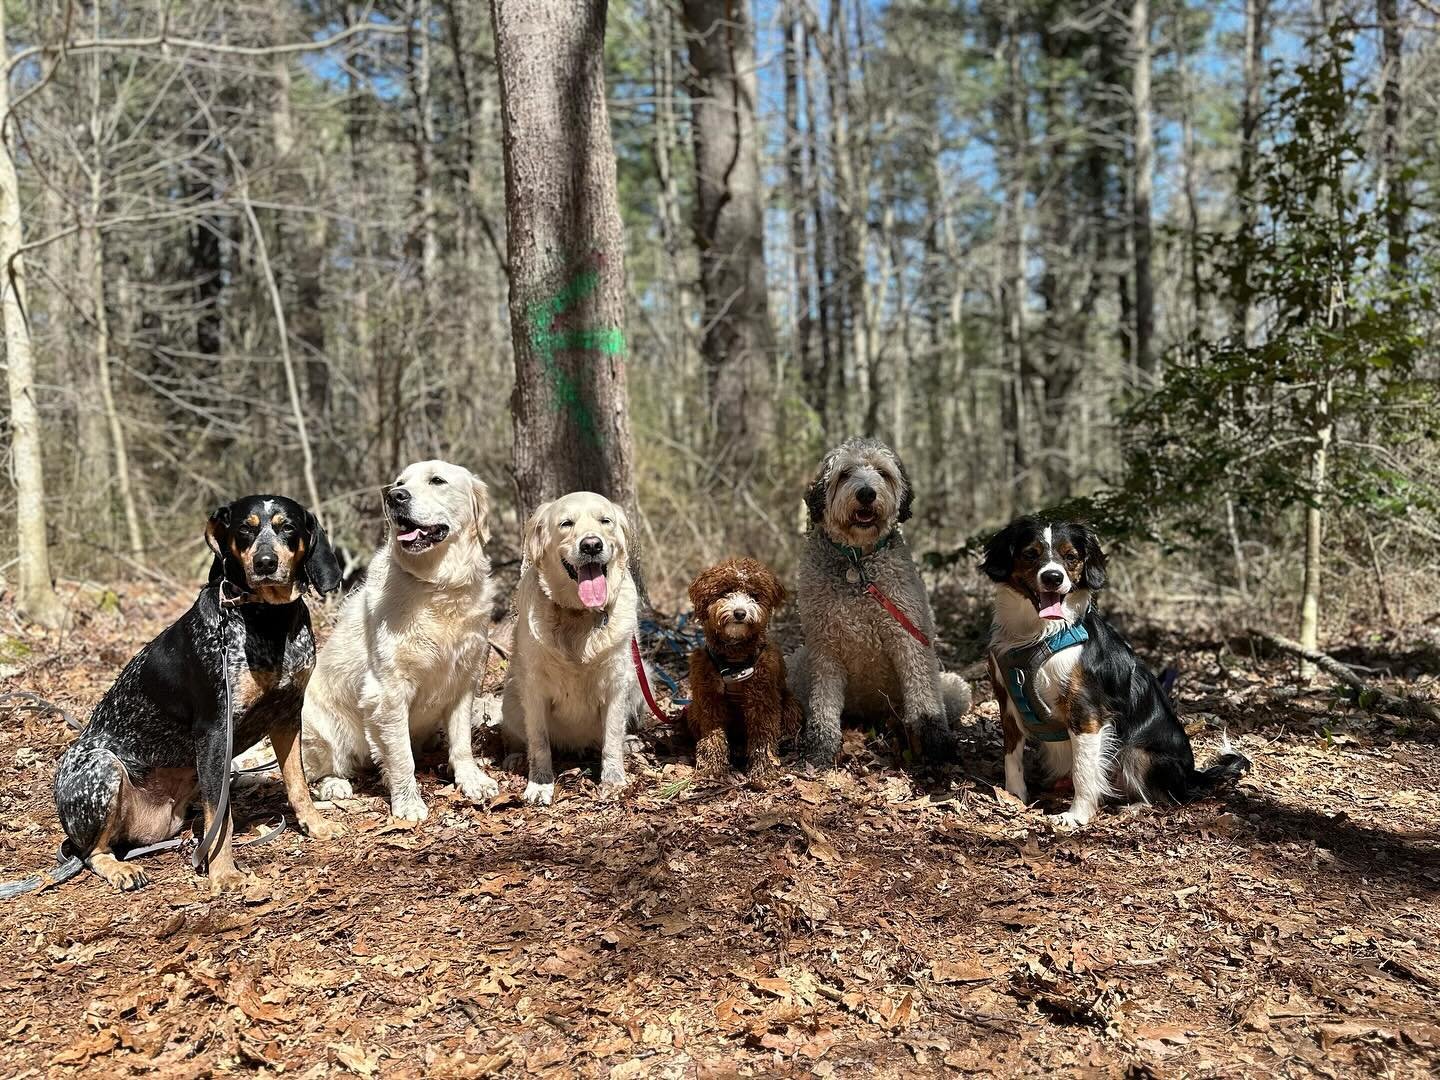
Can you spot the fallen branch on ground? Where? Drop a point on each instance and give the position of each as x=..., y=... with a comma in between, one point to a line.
x=1366, y=696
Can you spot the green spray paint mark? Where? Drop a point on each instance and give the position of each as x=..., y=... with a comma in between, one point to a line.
x=547, y=341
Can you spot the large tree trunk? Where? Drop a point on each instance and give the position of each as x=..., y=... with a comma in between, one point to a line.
x=1254, y=73
x=35, y=597
x=1392, y=163
x=1014, y=286
x=797, y=189
x=738, y=342
x=1142, y=189
x=567, y=269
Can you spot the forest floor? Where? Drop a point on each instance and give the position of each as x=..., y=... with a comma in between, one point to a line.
x=865, y=922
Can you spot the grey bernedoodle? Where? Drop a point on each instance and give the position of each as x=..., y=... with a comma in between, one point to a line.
x=860, y=659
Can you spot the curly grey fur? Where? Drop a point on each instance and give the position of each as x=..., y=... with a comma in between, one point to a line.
x=857, y=660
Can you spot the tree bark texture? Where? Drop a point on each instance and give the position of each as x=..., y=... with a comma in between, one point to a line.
x=737, y=342
x=567, y=270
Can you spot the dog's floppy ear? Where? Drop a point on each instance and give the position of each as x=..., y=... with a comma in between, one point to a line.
x=480, y=507
x=321, y=568
x=1095, y=560
x=703, y=590
x=907, y=490
x=622, y=522
x=815, y=495
x=537, y=534
x=217, y=531
x=1000, y=554
x=772, y=591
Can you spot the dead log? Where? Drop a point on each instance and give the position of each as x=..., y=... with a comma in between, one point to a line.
x=1365, y=695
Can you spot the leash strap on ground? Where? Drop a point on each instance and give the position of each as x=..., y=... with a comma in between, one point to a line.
x=42, y=704
x=645, y=682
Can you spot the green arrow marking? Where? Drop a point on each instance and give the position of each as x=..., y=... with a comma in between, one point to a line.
x=547, y=341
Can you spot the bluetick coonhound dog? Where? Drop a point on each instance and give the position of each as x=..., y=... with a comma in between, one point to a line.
x=161, y=734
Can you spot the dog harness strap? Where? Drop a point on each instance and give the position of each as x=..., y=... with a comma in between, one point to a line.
x=898, y=615
x=1019, y=668
x=645, y=682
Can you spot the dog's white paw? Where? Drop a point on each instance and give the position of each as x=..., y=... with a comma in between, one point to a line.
x=334, y=787
x=408, y=806
x=612, y=783
x=539, y=794
x=475, y=783
x=1070, y=820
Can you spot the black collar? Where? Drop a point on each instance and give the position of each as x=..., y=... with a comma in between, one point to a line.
x=734, y=671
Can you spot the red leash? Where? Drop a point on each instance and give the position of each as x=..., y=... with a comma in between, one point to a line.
x=645, y=683
x=895, y=613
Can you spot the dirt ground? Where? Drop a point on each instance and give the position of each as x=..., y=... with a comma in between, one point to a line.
x=867, y=922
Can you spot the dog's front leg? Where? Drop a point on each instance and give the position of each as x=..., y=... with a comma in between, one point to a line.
x=540, y=790
x=389, y=732
x=924, y=707
x=285, y=738
x=1014, y=738
x=828, y=680
x=214, y=766
x=612, y=747
x=1091, y=762
x=470, y=778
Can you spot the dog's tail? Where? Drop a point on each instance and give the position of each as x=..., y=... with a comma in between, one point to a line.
x=1224, y=771
x=955, y=692
x=63, y=871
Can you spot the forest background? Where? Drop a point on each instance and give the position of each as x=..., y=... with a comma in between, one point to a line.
x=1166, y=264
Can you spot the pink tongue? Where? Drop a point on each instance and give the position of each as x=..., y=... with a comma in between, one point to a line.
x=1053, y=611
x=593, y=588
x=408, y=536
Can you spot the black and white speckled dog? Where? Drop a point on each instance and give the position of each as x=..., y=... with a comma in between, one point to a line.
x=1066, y=679
x=160, y=731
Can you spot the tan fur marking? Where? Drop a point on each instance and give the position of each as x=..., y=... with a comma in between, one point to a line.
x=1013, y=735
x=286, y=741
x=253, y=520
x=1081, y=721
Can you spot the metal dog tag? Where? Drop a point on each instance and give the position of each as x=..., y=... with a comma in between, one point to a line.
x=852, y=576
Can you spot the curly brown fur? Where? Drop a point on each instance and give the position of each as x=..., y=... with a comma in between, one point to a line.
x=734, y=601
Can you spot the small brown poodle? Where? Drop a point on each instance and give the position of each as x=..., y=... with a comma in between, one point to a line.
x=737, y=681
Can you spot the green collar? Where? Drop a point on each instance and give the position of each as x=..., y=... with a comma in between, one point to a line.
x=854, y=554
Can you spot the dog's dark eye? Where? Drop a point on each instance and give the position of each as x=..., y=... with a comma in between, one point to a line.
x=437, y=480
x=567, y=524
x=604, y=521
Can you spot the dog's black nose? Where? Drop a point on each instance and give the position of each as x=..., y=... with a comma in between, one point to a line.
x=397, y=496
x=866, y=495
x=266, y=562
x=1051, y=579
x=739, y=616
x=591, y=546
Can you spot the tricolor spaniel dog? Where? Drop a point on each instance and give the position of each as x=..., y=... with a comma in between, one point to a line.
x=1067, y=679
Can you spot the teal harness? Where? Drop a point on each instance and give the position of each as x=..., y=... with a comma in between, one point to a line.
x=1018, y=668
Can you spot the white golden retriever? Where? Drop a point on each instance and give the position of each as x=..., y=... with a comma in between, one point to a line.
x=408, y=650
x=572, y=683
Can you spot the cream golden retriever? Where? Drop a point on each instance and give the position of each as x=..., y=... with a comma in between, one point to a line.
x=572, y=683
x=408, y=651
